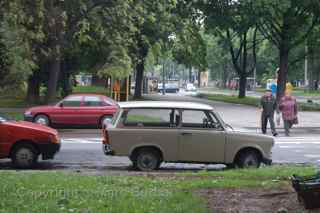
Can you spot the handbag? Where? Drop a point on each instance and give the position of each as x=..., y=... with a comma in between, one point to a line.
x=278, y=118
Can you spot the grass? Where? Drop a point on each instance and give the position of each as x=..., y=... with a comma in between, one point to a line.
x=12, y=101
x=64, y=192
x=253, y=101
x=91, y=89
x=13, y=115
x=61, y=192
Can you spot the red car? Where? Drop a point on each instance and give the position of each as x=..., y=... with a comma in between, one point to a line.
x=23, y=142
x=79, y=109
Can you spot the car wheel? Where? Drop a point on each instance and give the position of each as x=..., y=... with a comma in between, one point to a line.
x=147, y=160
x=24, y=156
x=105, y=119
x=249, y=159
x=42, y=119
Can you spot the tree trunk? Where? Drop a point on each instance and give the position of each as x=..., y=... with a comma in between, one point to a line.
x=65, y=78
x=33, y=91
x=199, y=79
x=54, y=70
x=282, y=75
x=190, y=75
x=242, y=86
x=139, y=79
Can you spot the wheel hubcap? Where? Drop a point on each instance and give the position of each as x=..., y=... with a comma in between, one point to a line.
x=42, y=121
x=24, y=156
x=250, y=161
x=147, y=162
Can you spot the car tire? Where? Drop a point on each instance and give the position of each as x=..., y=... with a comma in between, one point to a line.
x=42, y=119
x=249, y=159
x=146, y=160
x=24, y=156
x=104, y=119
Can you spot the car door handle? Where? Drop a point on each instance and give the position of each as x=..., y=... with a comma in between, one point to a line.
x=186, y=133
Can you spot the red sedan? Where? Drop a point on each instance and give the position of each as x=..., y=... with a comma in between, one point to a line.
x=78, y=109
x=23, y=142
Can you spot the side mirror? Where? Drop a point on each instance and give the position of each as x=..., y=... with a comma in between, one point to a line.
x=61, y=104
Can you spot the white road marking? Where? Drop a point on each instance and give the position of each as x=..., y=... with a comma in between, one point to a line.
x=312, y=156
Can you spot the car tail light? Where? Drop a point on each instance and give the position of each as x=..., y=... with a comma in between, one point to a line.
x=105, y=136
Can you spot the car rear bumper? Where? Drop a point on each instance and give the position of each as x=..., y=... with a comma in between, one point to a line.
x=48, y=150
x=107, y=149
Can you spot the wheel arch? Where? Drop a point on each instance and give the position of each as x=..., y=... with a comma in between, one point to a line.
x=248, y=149
x=42, y=113
x=136, y=149
x=24, y=142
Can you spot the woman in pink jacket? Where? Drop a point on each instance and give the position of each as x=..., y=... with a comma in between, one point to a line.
x=289, y=109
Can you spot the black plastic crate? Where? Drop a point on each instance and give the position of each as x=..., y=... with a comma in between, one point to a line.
x=308, y=190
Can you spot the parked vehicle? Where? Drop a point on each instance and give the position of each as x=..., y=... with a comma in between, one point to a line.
x=151, y=132
x=23, y=142
x=79, y=109
x=190, y=87
x=169, y=87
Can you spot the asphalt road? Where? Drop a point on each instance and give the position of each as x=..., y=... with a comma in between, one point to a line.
x=82, y=149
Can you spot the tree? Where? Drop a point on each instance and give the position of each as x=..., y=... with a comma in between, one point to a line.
x=154, y=21
x=233, y=22
x=286, y=24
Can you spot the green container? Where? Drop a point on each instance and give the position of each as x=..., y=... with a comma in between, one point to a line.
x=308, y=190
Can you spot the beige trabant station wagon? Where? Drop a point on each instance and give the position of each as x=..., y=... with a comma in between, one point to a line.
x=152, y=132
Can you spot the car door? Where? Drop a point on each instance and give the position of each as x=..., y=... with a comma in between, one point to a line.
x=92, y=110
x=201, y=138
x=68, y=111
x=147, y=127
x=4, y=139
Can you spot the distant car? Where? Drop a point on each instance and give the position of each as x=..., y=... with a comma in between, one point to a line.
x=23, y=142
x=190, y=87
x=78, y=109
x=169, y=88
x=151, y=132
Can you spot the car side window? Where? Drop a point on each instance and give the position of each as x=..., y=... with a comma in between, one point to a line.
x=72, y=101
x=92, y=101
x=197, y=119
x=149, y=118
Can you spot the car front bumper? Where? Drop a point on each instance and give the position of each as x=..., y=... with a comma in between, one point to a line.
x=267, y=161
x=48, y=150
x=28, y=118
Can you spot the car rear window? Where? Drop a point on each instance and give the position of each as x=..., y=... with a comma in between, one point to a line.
x=72, y=101
x=92, y=101
x=150, y=117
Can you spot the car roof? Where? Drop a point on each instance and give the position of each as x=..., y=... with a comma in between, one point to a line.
x=164, y=104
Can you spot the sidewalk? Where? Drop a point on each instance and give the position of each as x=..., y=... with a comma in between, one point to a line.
x=241, y=116
x=300, y=99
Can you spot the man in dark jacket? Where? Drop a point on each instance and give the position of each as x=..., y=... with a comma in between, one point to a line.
x=268, y=105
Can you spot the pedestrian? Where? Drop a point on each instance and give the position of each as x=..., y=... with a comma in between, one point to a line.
x=268, y=106
x=289, y=87
x=288, y=107
x=273, y=87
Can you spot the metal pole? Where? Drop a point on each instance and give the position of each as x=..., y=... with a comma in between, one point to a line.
x=306, y=83
x=163, y=79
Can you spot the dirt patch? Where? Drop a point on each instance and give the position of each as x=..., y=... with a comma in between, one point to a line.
x=253, y=200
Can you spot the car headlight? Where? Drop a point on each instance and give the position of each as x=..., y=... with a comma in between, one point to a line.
x=55, y=139
x=27, y=113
